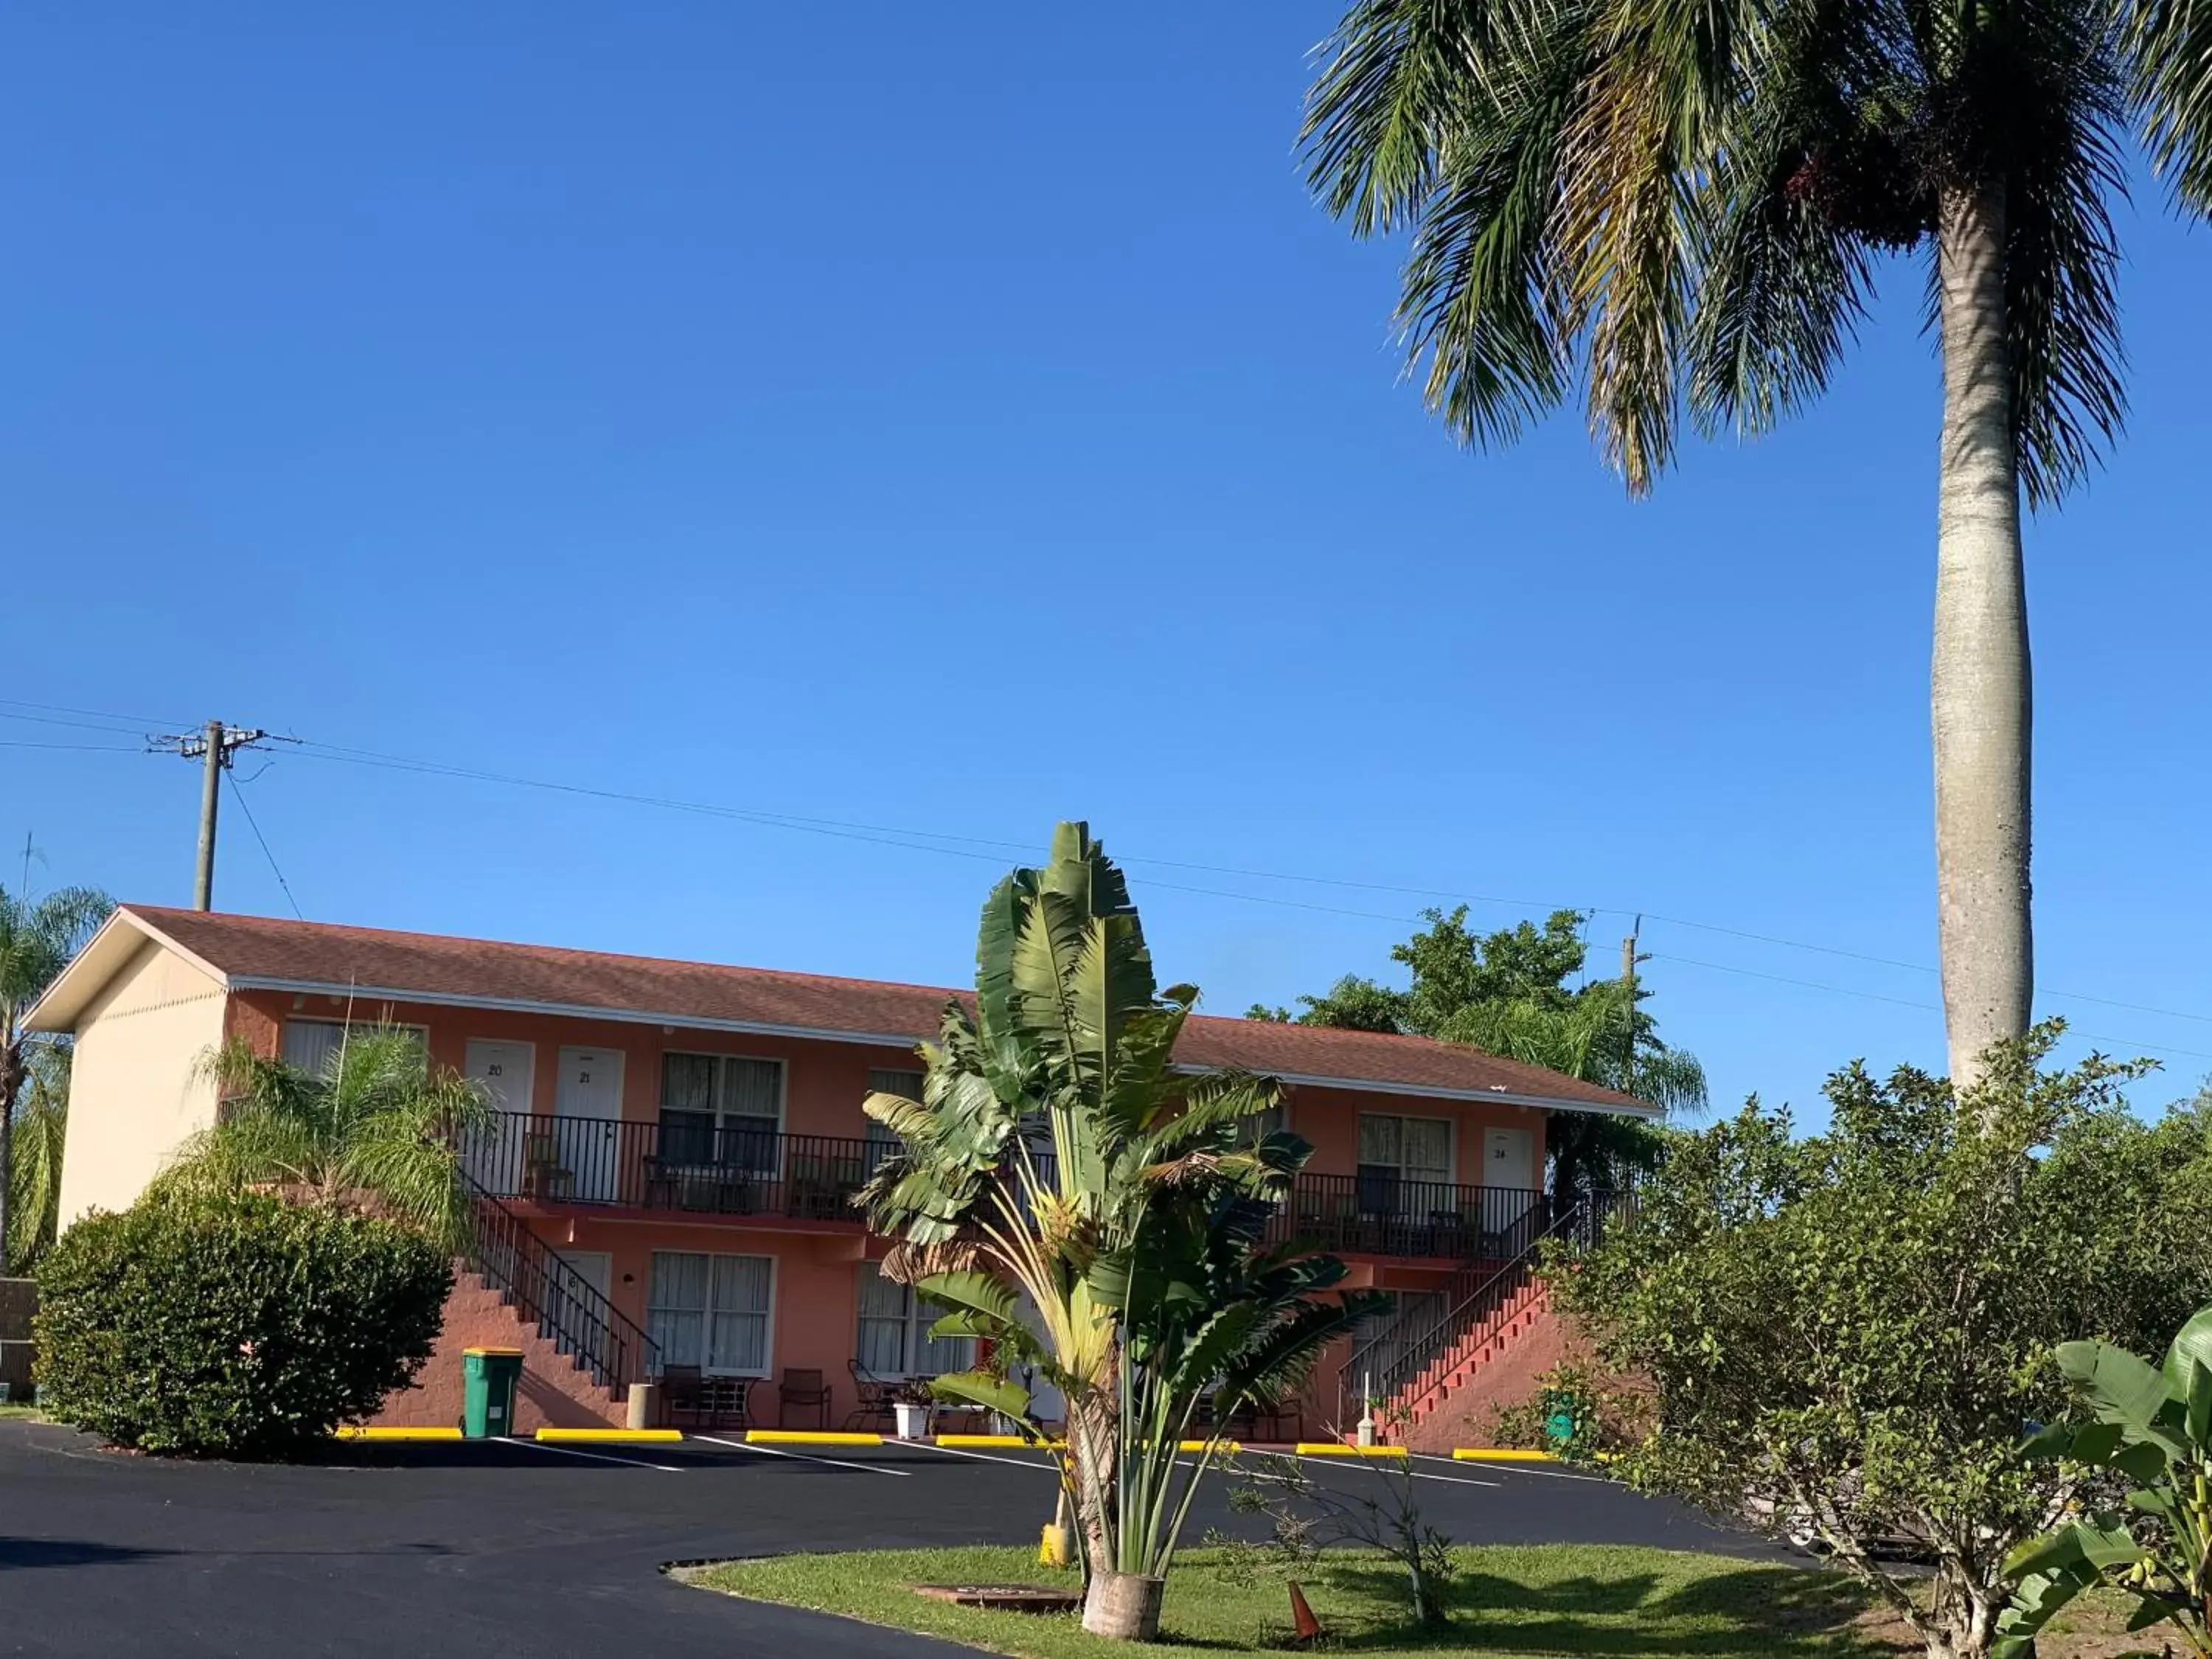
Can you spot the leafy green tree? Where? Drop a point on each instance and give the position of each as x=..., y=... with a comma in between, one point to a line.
x=1506, y=992
x=38, y=936
x=1067, y=1193
x=2151, y=1426
x=377, y=1129
x=37, y=1136
x=1847, y=1332
x=1682, y=214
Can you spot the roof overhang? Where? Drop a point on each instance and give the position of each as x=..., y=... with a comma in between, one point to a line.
x=883, y=1039
x=107, y=953
x=125, y=934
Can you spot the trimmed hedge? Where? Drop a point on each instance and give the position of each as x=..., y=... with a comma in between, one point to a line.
x=239, y=1324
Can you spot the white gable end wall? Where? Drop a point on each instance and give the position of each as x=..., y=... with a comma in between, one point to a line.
x=135, y=1088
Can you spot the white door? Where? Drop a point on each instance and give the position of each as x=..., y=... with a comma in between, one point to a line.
x=504, y=1071
x=1509, y=1180
x=576, y=1318
x=587, y=1101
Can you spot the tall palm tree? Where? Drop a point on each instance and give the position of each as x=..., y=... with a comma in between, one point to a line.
x=36, y=1137
x=1683, y=209
x=377, y=1129
x=37, y=939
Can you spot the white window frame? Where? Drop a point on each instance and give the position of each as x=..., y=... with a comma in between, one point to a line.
x=914, y=1330
x=719, y=1109
x=707, y=1312
x=359, y=1027
x=1450, y=1176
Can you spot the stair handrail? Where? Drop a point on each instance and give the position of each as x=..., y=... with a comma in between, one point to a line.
x=563, y=1303
x=1487, y=1291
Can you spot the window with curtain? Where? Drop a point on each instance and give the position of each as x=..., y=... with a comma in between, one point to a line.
x=721, y=1109
x=894, y=1338
x=711, y=1311
x=1402, y=1162
x=880, y=1141
x=311, y=1045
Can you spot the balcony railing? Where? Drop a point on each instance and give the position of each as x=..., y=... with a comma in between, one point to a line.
x=732, y=1171
x=1386, y=1215
x=737, y=1170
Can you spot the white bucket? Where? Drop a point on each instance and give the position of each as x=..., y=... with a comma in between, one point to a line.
x=913, y=1420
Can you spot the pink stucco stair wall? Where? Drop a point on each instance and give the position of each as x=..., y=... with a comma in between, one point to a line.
x=554, y=1391
x=1503, y=1367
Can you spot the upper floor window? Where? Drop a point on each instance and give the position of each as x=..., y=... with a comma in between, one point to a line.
x=720, y=1109
x=311, y=1045
x=883, y=1081
x=1403, y=1162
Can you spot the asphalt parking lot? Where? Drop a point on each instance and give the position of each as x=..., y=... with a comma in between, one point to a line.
x=515, y=1548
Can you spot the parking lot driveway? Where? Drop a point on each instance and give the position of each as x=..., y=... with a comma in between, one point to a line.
x=513, y=1548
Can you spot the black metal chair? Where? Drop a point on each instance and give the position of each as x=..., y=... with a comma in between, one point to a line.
x=683, y=1390
x=803, y=1388
x=873, y=1398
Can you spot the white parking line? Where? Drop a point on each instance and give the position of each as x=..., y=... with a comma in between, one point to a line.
x=1354, y=1462
x=1514, y=1467
x=600, y=1457
x=980, y=1457
x=772, y=1451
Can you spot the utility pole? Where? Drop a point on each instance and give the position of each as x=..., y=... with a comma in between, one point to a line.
x=216, y=747
x=1628, y=961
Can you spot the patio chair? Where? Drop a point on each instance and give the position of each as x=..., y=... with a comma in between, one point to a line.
x=683, y=1391
x=874, y=1397
x=804, y=1389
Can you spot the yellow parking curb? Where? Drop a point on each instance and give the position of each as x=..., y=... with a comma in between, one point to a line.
x=1500, y=1455
x=1218, y=1445
x=999, y=1440
x=1338, y=1449
x=809, y=1437
x=616, y=1437
x=354, y=1431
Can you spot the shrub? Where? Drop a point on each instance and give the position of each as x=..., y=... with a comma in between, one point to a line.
x=236, y=1324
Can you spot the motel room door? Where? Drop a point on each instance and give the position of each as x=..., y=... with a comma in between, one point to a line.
x=577, y=1317
x=1510, y=1210
x=505, y=1072
x=588, y=1105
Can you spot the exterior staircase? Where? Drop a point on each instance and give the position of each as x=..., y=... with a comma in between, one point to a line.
x=580, y=1355
x=1437, y=1371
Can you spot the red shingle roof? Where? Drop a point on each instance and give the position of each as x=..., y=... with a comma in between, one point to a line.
x=251, y=950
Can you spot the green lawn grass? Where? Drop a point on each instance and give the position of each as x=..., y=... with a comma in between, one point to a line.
x=1552, y=1599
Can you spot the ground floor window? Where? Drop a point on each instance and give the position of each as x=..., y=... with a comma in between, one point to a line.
x=711, y=1311
x=894, y=1338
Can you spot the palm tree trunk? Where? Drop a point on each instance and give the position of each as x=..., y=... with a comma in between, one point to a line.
x=13, y=1070
x=1980, y=677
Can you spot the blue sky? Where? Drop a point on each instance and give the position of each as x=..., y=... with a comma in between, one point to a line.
x=954, y=419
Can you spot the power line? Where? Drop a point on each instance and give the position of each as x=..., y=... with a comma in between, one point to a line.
x=237, y=795
x=95, y=714
x=75, y=748
x=1905, y=1002
x=930, y=840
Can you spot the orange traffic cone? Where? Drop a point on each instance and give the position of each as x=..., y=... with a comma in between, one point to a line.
x=1304, y=1626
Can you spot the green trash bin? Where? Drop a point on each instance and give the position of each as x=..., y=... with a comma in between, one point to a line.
x=488, y=1380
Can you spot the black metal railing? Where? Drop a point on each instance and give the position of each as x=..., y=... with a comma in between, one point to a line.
x=569, y=1311
x=1402, y=1358
x=738, y=1169
x=1365, y=1214
x=732, y=1170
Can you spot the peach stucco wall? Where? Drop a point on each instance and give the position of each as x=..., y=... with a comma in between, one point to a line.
x=816, y=1285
